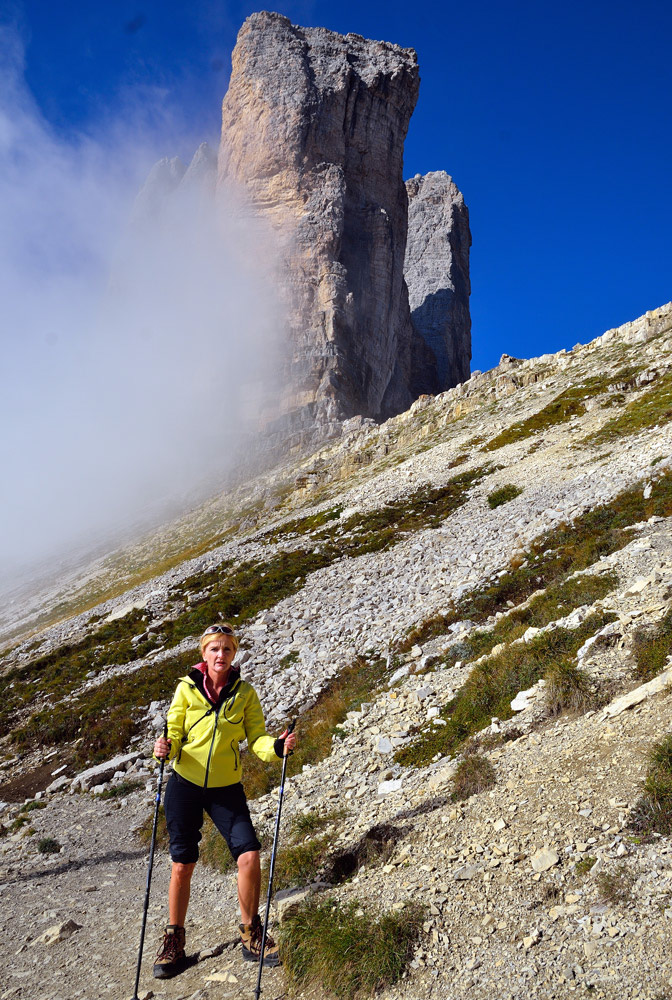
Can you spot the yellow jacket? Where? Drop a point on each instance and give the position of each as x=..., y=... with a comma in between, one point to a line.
x=205, y=737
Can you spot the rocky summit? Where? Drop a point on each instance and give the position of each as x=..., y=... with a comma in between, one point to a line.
x=468, y=609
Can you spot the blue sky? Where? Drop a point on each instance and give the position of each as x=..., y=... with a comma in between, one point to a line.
x=553, y=119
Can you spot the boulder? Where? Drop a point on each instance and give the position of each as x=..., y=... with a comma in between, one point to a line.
x=101, y=773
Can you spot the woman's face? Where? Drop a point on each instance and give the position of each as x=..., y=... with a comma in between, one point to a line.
x=218, y=656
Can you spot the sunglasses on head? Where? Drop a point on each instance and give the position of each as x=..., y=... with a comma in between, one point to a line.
x=214, y=629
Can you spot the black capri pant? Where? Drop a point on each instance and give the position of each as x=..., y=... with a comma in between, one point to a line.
x=226, y=806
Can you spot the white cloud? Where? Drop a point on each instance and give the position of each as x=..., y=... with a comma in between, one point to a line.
x=126, y=349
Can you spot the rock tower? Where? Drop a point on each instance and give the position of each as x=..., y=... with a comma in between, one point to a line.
x=313, y=129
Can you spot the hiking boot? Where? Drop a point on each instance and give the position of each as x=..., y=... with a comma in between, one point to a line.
x=250, y=938
x=171, y=957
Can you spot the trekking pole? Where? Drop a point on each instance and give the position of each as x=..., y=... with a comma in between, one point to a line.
x=157, y=802
x=257, y=991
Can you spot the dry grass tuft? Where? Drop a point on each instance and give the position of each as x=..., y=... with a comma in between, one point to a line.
x=475, y=774
x=347, y=952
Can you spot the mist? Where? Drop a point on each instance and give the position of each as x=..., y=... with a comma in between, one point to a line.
x=139, y=335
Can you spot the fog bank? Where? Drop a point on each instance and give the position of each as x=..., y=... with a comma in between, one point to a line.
x=134, y=340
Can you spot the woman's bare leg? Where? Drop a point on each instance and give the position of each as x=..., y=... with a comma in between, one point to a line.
x=249, y=884
x=178, y=893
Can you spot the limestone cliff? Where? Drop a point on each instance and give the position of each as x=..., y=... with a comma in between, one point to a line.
x=313, y=127
x=437, y=272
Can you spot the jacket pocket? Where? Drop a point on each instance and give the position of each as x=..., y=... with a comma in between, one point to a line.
x=236, y=757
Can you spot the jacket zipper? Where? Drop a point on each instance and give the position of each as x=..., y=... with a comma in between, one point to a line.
x=212, y=743
x=204, y=716
x=235, y=755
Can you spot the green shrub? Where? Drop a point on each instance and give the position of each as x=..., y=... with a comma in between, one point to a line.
x=346, y=952
x=305, y=824
x=653, y=811
x=474, y=774
x=503, y=495
x=48, y=845
x=651, y=648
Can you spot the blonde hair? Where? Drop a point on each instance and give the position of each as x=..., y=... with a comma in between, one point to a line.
x=209, y=637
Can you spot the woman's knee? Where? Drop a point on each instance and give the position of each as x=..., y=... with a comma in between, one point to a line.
x=182, y=872
x=248, y=862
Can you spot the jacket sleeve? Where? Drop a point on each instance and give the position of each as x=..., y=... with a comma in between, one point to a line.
x=175, y=720
x=258, y=739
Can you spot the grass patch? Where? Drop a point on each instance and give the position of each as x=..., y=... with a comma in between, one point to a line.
x=491, y=686
x=106, y=717
x=144, y=831
x=584, y=866
x=568, y=404
x=651, y=648
x=121, y=790
x=288, y=660
x=56, y=674
x=306, y=824
x=651, y=409
x=303, y=525
x=48, y=845
x=653, y=811
x=297, y=864
x=301, y=863
x=554, y=556
x=557, y=601
x=503, y=495
x=474, y=774
x=615, y=887
x=22, y=816
x=568, y=689
x=213, y=849
x=347, y=952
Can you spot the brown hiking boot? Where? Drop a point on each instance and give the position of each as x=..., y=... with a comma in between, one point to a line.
x=171, y=957
x=250, y=938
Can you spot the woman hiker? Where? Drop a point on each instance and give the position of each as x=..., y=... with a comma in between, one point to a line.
x=211, y=712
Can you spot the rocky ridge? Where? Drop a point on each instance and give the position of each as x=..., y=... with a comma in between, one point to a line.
x=507, y=909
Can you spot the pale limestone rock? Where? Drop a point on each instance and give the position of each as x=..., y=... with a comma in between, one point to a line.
x=386, y=787
x=640, y=694
x=56, y=933
x=436, y=270
x=544, y=859
x=102, y=772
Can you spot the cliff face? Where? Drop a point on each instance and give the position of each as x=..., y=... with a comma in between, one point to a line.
x=313, y=127
x=437, y=272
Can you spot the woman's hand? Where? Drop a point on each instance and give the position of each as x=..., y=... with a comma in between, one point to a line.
x=290, y=741
x=162, y=747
